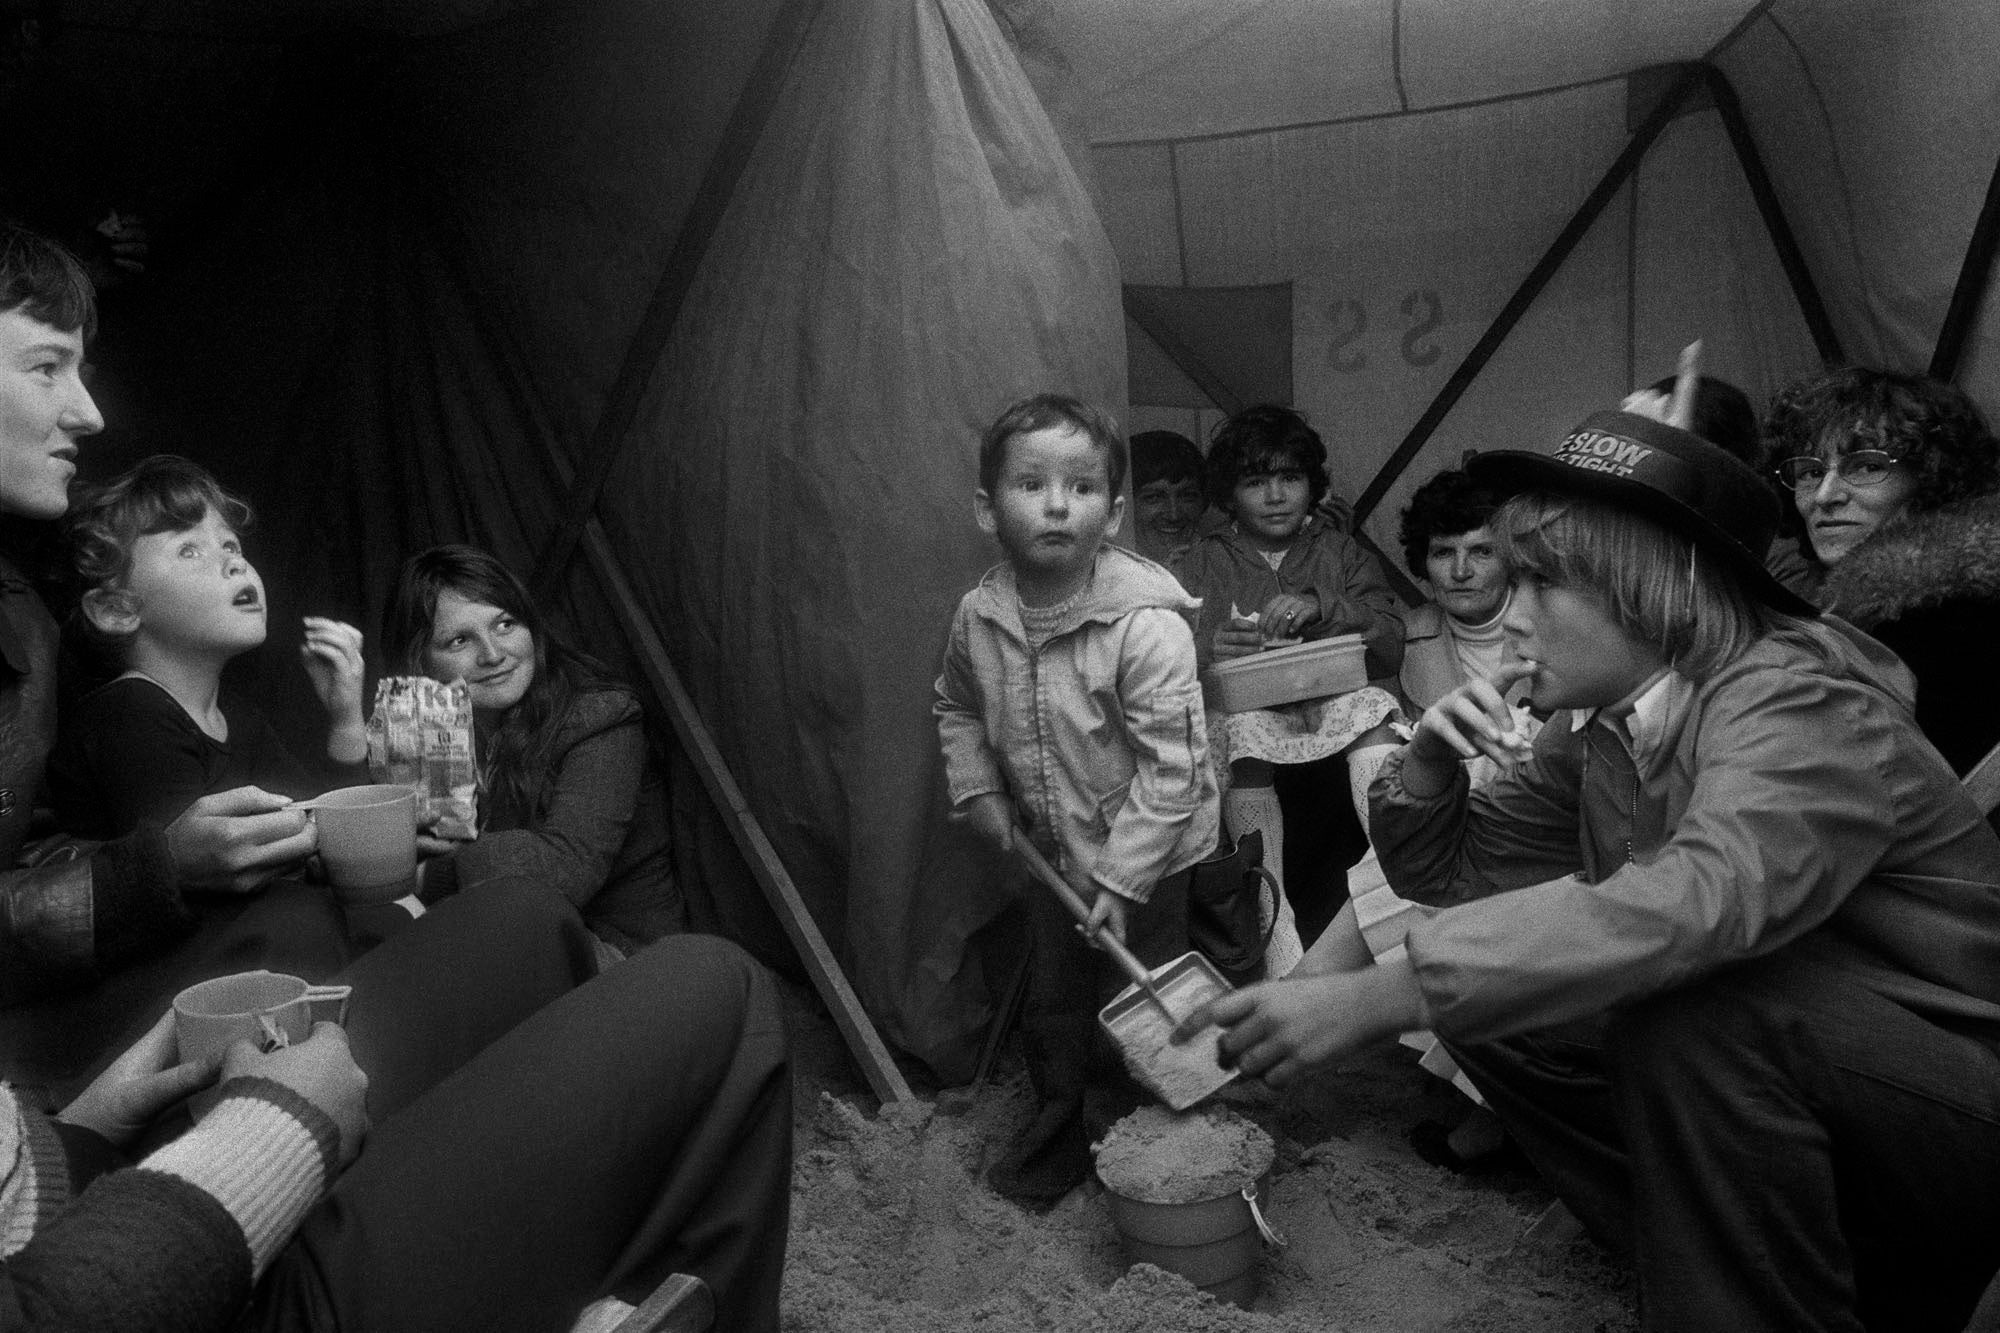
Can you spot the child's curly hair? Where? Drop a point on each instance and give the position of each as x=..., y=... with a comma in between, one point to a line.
x=1930, y=427
x=164, y=493
x=1260, y=440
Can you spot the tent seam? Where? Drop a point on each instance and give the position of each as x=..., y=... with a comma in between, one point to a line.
x=1868, y=295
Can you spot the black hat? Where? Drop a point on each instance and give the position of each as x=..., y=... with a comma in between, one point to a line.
x=1695, y=488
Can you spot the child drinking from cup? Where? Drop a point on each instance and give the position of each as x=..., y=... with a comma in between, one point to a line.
x=1279, y=573
x=1070, y=713
x=168, y=597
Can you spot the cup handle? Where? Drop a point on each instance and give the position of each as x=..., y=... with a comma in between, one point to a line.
x=328, y=1004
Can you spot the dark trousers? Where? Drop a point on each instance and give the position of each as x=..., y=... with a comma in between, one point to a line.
x=1068, y=982
x=1778, y=1147
x=536, y=1147
x=58, y=1044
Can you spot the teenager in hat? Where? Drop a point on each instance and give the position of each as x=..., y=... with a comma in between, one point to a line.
x=1722, y=945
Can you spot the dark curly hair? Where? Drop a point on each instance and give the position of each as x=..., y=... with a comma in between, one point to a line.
x=1165, y=455
x=1444, y=506
x=1260, y=440
x=1931, y=427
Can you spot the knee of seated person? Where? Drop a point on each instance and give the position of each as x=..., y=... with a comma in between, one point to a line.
x=714, y=967
x=1682, y=1033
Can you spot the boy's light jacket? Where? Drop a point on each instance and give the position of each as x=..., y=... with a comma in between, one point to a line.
x=1099, y=737
x=1788, y=803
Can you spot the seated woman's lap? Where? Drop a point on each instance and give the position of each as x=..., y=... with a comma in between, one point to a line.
x=446, y=986
x=637, y=1126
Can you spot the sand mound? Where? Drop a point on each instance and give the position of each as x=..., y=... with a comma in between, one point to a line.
x=893, y=1230
x=1159, y=1156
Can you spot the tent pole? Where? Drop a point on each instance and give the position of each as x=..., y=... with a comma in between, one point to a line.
x=649, y=341
x=845, y=1006
x=1970, y=290
x=1531, y=286
x=1804, y=290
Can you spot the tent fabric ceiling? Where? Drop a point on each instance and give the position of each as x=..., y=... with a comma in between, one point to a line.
x=1181, y=69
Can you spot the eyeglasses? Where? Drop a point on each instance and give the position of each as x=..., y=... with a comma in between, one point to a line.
x=1860, y=467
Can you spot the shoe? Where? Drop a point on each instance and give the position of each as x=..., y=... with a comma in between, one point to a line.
x=1432, y=1142
x=1047, y=1159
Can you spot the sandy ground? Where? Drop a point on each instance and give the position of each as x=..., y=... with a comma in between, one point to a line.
x=892, y=1230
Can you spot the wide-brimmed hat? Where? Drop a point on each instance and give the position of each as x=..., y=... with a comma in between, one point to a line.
x=1698, y=489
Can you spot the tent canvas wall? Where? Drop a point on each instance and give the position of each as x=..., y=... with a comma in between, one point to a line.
x=766, y=269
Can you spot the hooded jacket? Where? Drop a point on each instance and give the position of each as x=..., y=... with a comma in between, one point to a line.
x=1789, y=804
x=1928, y=586
x=1098, y=736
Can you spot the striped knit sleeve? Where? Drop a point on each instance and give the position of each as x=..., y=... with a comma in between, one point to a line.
x=264, y=1153
x=34, y=1177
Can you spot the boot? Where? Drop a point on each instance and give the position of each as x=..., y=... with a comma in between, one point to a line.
x=1050, y=1156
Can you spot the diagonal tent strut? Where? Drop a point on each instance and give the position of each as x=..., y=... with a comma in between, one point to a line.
x=607, y=443
x=1691, y=79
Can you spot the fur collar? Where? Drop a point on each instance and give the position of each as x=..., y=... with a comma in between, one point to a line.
x=1927, y=559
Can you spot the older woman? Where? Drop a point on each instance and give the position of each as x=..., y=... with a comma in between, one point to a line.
x=1895, y=476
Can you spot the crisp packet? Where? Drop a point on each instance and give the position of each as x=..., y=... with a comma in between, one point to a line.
x=420, y=734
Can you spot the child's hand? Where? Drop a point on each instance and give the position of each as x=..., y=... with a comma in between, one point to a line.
x=992, y=814
x=332, y=655
x=1107, y=917
x=1288, y=615
x=1237, y=636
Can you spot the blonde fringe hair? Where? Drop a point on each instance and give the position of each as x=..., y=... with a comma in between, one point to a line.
x=1656, y=584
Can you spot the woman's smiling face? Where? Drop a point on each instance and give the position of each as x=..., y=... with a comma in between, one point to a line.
x=486, y=647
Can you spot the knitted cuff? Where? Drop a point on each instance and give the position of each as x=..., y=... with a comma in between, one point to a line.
x=38, y=1187
x=135, y=896
x=264, y=1153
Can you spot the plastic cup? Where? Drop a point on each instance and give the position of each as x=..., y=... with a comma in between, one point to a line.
x=368, y=841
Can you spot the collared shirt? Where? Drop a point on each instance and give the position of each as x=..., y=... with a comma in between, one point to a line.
x=1648, y=721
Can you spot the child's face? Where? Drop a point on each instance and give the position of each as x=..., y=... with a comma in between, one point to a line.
x=1165, y=513
x=1272, y=506
x=193, y=590
x=1582, y=658
x=1053, y=506
x=486, y=647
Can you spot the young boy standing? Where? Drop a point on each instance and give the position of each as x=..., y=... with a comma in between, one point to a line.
x=1070, y=712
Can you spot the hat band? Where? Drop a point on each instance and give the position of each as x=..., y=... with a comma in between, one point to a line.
x=1594, y=450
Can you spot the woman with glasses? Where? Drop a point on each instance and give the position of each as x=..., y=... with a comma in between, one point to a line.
x=1895, y=476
